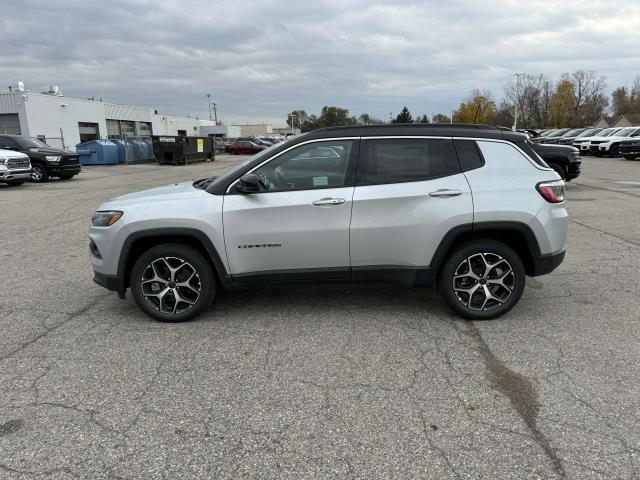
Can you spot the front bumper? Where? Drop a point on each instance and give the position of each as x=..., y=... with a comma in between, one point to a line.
x=15, y=175
x=64, y=170
x=110, y=282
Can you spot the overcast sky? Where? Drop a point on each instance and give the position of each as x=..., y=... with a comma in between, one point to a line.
x=261, y=59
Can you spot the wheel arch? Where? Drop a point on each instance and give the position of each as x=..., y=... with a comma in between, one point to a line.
x=516, y=235
x=139, y=242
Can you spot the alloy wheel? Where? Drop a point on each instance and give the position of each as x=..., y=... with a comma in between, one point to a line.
x=171, y=285
x=483, y=281
x=37, y=173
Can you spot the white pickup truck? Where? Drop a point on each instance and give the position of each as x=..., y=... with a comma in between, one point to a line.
x=15, y=167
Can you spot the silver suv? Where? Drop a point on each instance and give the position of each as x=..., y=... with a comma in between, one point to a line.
x=471, y=208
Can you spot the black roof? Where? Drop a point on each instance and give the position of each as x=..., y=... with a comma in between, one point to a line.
x=417, y=129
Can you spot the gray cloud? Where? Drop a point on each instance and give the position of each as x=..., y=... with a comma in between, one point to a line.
x=261, y=59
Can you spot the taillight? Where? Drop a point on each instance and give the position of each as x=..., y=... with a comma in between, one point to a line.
x=552, y=192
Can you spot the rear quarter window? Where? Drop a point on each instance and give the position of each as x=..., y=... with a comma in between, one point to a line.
x=469, y=155
x=507, y=155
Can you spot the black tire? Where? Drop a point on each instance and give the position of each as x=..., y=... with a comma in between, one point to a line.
x=614, y=151
x=233, y=152
x=630, y=157
x=559, y=170
x=495, y=254
x=39, y=173
x=159, y=309
x=15, y=183
x=66, y=177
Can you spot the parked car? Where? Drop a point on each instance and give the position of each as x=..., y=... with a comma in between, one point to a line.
x=46, y=161
x=630, y=149
x=570, y=136
x=584, y=143
x=15, y=167
x=243, y=147
x=472, y=208
x=611, y=144
x=577, y=141
x=545, y=133
x=555, y=136
x=564, y=159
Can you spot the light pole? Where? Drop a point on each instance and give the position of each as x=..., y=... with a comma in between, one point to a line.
x=515, y=118
x=215, y=112
x=209, y=98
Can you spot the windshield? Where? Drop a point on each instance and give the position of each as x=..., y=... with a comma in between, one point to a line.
x=590, y=132
x=625, y=132
x=30, y=142
x=608, y=131
x=232, y=173
x=560, y=132
x=572, y=133
x=547, y=133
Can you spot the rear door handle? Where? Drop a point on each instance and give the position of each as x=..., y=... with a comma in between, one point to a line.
x=328, y=201
x=443, y=192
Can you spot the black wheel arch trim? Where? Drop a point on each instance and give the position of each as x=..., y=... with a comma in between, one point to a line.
x=201, y=237
x=478, y=227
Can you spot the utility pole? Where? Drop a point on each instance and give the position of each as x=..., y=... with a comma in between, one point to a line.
x=515, y=118
x=209, y=98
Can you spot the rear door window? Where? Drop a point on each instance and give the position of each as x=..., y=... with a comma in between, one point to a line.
x=399, y=160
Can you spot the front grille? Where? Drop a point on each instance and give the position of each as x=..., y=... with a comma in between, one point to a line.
x=596, y=142
x=71, y=160
x=18, y=163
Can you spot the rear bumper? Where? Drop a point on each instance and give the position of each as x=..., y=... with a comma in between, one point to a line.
x=543, y=264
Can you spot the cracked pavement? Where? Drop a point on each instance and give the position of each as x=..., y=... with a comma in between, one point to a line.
x=347, y=381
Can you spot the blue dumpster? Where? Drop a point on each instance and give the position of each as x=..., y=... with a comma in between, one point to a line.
x=97, y=152
x=121, y=146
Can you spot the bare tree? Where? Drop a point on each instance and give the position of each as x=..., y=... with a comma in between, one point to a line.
x=532, y=93
x=591, y=102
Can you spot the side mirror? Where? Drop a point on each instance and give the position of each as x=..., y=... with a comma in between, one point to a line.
x=248, y=183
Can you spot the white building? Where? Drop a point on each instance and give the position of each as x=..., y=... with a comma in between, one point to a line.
x=255, y=130
x=61, y=120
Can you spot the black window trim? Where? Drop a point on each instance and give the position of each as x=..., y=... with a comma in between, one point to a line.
x=477, y=147
x=355, y=152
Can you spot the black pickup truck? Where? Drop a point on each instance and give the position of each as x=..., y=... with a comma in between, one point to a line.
x=562, y=158
x=46, y=161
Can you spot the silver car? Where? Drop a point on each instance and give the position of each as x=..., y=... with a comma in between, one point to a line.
x=15, y=167
x=472, y=209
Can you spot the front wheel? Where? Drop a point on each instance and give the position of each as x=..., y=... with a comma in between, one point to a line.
x=482, y=279
x=172, y=283
x=614, y=151
x=39, y=174
x=66, y=177
x=15, y=183
x=630, y=157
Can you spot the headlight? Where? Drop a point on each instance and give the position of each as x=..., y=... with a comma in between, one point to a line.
x=104, y=219
x=53, y=159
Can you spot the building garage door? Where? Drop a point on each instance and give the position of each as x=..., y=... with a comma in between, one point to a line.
x=88, y=131
x=9, y=123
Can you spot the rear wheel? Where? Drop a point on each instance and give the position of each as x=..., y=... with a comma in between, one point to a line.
x=482, y=279
x=39, y=173
x=172, y=283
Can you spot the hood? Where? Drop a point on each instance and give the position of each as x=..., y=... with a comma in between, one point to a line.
x=542, y=149
x=51, y=151
x=4, y=154
x=158, y=194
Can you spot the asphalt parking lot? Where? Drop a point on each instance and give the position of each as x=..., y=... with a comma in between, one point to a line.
x=362, y=381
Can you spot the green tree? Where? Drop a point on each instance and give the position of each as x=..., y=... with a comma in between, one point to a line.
x=421, y=119
x=297, y=117
x=403, y=117
x=440, y=118
x=329, y=117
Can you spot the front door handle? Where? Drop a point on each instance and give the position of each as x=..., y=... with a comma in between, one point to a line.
x=443, y=192
x=328, y=201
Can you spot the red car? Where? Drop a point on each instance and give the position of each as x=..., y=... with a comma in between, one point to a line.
x=243, y=147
